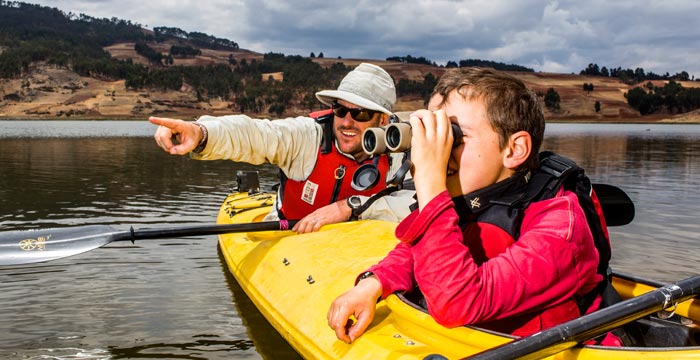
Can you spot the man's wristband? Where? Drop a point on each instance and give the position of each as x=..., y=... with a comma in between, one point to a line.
x=205, y=136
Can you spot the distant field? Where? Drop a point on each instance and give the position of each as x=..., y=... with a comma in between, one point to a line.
x=58, y=93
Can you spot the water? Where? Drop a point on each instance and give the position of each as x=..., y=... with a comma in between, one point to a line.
x=170, y=298
x=174, y=298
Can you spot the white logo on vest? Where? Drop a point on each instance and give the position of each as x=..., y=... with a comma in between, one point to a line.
x=475, y=203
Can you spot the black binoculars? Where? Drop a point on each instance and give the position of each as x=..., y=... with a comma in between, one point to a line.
x=396, y=137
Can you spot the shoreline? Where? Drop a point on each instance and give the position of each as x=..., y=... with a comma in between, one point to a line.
x=640, y=120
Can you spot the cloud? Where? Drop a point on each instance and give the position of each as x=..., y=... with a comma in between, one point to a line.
x=555, y=36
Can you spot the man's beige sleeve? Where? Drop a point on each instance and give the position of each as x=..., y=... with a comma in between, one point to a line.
x=291, y=144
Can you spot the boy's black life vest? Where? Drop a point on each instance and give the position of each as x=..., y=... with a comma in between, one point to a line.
x=503, y=204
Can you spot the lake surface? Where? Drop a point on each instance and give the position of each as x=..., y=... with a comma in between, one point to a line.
x=174, y=298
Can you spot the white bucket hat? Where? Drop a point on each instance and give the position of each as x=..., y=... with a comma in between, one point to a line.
x=367, y=86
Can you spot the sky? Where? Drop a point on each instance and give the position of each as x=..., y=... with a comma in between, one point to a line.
x=661, y=36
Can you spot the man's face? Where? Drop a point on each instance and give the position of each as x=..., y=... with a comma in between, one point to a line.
x=348, y=131
x=478, y=161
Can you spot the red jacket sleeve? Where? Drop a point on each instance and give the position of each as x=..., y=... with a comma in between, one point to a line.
x=396, y=270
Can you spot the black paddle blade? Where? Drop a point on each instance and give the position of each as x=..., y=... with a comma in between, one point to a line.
x=32, y=246
x=618, y=208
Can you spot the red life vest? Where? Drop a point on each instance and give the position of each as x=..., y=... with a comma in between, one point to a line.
x=329, y=181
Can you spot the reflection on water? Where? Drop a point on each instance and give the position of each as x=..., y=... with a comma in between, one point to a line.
x=174, y=298
x=658, y=166
x=57, y=181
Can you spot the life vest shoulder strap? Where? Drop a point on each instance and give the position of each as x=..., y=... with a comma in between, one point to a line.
x=325, y=119
x=554, y=171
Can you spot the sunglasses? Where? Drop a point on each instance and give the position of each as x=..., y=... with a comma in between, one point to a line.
x=361, y=115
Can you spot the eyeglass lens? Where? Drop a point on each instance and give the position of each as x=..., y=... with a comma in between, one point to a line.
x=361, y=115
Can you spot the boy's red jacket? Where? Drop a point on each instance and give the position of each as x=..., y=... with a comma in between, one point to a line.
x=482, y=276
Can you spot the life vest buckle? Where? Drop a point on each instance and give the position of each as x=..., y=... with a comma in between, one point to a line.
x=339, y=172
x=556, y=166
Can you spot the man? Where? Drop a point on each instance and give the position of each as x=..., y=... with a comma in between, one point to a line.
x=316, y=185
x=517, y=279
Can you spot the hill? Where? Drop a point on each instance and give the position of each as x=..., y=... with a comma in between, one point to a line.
x=50, y=92
x=50, y=70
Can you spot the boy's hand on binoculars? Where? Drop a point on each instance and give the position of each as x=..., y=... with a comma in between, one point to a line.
x=431, y=146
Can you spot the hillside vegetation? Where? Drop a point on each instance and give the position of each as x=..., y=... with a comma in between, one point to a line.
x=58, y=65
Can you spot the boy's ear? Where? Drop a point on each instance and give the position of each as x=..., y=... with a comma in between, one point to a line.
x=517, y=150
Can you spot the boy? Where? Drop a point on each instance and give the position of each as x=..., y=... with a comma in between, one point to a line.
x=470, y=271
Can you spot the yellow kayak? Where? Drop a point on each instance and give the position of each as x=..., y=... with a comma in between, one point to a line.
x=292, y=279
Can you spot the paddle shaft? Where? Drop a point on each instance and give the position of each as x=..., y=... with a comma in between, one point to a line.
x=561, y=337
x=143, y=234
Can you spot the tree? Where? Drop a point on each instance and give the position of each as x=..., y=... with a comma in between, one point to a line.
x=312, y=55
x=597, y=106
x=277, y=109
x=639, y=99
x=409, y=59
x=146, y=51
x=592, y=69
x=429, y=82
x=310, y=101
x=493, y=64
x=552, y=100
x=184, y=51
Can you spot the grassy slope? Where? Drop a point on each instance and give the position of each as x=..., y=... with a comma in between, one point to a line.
x=54, y=93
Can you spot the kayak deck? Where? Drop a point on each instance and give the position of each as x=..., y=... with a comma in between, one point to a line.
x=292, y=279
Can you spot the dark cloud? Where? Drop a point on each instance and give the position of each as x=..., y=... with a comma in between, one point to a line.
x=556, y=36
